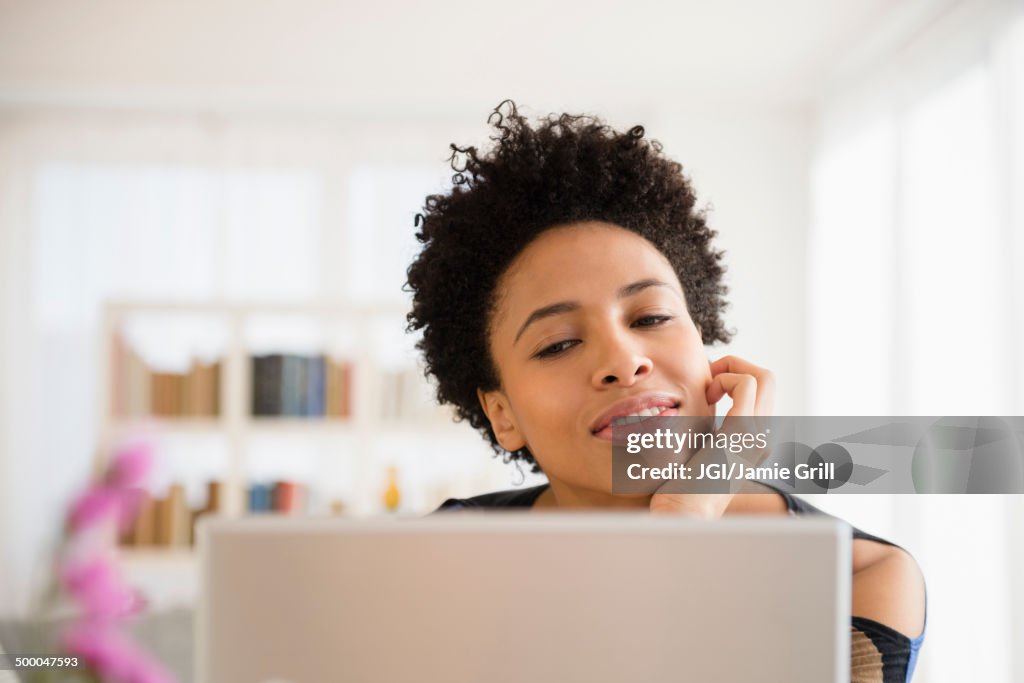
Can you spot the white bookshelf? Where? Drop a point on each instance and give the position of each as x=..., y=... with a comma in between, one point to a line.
x=235, y=423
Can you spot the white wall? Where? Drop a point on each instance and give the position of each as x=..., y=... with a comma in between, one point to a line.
x=751, y=166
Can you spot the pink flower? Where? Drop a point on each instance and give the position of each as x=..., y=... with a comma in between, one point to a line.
x=130, y=501
x=97, y=587
x=112, y=654
x=89, y=573
x=94, y=506
x=119, y=496
x=130, y=466
x=104, y=649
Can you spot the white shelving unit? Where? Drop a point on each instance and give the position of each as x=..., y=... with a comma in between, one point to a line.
x=235, y=422
x=442, y=458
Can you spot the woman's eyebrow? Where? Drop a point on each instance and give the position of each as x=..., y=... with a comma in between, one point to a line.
x=568, y=306
x=639, y=286
x=546, y=312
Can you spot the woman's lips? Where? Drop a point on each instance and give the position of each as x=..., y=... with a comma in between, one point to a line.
x=606, y=433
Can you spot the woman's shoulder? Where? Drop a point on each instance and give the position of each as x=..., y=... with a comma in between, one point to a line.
x=511, y=498
x=798, y=506
x=890, y=586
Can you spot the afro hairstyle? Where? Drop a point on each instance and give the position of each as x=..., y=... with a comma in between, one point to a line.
x=564, y=169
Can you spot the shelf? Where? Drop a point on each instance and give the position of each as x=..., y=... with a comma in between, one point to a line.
x=145, y=554
x=191, y=425
x=295, y=425
x=264, y=424
x=418, y=427
x=386, y=397
x=283, y=425
x=168, y=578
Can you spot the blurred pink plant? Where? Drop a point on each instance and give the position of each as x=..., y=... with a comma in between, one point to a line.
x=118, y=495
x=93, y=506
x=97, y=587
x=113, y=655
x=130, y=467
x=88, y=572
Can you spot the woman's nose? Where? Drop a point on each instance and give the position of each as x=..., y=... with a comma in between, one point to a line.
x=622, y=362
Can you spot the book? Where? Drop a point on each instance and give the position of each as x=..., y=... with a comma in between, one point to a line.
x=331, y=388
x=214, y=498
x=301, y=399
x=138, y=391
x=215, y=383
x=259, y=498
x=144, y=526
x=206, y=398
x=176, y=520
x=161, y=522
x=289, y=378
x=194, y=515
x=287, y=497
x=315, y=386
x=257, y=381
x=266, y=384
x=345, y=406
x=293, y=385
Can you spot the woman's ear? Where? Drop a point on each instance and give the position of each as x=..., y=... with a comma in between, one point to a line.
x=499, y=411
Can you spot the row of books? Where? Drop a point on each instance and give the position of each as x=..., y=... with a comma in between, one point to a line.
x=169, y=521
x=287, y=497
x=283, y=385
x=302, y=386
x=139, y=391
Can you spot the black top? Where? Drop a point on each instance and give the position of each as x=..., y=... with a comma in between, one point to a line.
x=879, y=654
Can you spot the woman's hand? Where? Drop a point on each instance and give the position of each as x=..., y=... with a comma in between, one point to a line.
x=752, y=390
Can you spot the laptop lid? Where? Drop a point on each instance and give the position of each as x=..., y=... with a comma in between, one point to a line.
x=467, y=598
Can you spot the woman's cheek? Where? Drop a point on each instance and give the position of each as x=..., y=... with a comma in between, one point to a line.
x=543, y=393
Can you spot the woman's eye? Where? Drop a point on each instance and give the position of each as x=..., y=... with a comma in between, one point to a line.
x=652, y=320
x=556, y=348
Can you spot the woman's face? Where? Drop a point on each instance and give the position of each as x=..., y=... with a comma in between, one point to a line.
x=590, y=323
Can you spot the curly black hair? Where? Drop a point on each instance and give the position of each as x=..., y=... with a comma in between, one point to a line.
x=567, y=169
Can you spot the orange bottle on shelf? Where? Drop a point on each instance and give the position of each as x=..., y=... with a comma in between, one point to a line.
x=392, y=496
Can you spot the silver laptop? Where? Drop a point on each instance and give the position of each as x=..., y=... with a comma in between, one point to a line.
x=514, y=597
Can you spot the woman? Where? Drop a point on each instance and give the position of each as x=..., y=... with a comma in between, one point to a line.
x=567, y=279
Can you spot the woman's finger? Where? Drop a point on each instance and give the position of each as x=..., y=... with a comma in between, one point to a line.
x=736, y=364
x=742, y=388
x=764, y=402
x=741, y=418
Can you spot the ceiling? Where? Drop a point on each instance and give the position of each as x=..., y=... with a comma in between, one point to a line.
x=394, y=54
